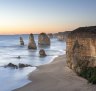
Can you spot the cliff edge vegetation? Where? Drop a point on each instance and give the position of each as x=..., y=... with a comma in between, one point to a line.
x=81, y=52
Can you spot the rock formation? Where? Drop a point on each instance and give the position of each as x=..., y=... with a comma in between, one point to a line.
x=62, y=36
x=11, y=66
x=19, y=57
x=43, y=39
x=23, y=65
x=81, y=48
x=50, y=35
x=21, y=41
x=20, y=65
x=32, y=44
x=42, y=53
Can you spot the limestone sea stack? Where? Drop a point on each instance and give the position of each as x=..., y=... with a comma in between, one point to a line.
x=21, y=41
x=42, y=53
x=32, y=44
x=43, y=39
x=81, y=48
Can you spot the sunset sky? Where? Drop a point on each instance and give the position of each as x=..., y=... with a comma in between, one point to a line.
x=35, y=16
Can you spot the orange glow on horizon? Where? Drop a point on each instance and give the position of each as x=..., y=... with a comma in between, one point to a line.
x=35, y=30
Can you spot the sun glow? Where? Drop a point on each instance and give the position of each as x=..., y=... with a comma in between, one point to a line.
x=35, y=16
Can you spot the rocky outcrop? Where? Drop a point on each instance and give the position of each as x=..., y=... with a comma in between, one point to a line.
x=11, y=65
x=21, y=41
x=32, y=44
x=42, y=53
x=20, y=65
x=81, y=48
x=43, y=39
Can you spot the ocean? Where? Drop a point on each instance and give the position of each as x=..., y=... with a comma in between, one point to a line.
x=10, y=49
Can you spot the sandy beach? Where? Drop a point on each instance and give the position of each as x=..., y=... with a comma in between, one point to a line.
x=56, y=76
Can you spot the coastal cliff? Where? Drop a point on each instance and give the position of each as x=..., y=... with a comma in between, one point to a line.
x=62, y=36
x=81, y=48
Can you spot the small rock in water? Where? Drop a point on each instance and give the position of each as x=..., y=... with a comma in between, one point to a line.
x=20, y=65
x=19, y=57
x=12, y=66
x=24, y=65
x=42, y=53
x=21, y=41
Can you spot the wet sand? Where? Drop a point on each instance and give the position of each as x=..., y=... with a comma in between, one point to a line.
x=56, y=76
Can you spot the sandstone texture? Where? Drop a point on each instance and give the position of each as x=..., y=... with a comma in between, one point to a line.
x=32, y=44
x=81, y=48
x=43, y=39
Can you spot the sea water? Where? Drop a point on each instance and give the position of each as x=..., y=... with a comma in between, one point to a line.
x=10, y=49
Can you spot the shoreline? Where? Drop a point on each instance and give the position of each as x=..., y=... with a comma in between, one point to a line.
x=56, y=76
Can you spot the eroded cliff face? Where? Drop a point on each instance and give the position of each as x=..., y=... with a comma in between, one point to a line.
x=81, y=48
x=62, y=36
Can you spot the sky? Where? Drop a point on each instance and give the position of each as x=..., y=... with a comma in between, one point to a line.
x=36, y=16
